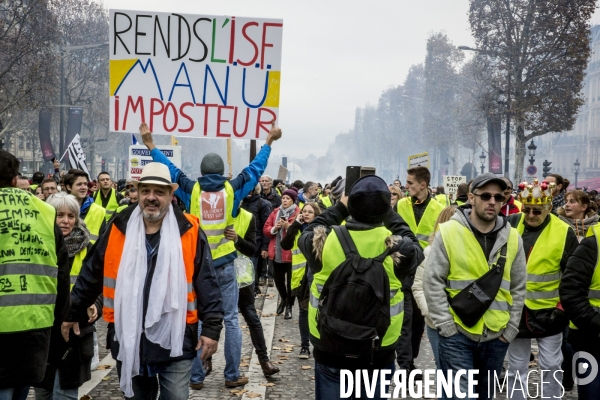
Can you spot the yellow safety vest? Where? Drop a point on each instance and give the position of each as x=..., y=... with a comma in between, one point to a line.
x=326, y=201
x=370, y=244
x=298, y=263
x=460, y=203
x=518, y=204
x=468, y=263
x=93, y=221
x=543, y=264
x=594, y=290
x=443, y=199
x=112, y=205
x=300, y=205
x=77, y=264
x=241, y=225
x=28, y=262
x=427, y=223
x=214, y=211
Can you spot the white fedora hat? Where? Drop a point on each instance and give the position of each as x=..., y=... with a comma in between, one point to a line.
x=156, y=174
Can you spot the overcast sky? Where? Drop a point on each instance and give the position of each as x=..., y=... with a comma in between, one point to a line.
x=337, y=54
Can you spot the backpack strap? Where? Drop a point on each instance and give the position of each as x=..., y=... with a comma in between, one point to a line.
x=345, y=240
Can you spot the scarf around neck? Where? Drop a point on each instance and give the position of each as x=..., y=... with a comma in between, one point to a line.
x=77, y=240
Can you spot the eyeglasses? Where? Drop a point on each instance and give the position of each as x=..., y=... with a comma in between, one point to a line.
x=395, y=194
x=488, y=196
x=535, y=211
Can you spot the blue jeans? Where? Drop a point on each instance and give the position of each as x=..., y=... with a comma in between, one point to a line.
x=459, y=352
x=233, y=333
x=17, y=393
x=327, y=383
x=173, y=378
x=56, y=392
x=434, y=340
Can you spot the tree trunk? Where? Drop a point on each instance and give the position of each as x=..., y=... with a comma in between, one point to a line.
x=519, y=151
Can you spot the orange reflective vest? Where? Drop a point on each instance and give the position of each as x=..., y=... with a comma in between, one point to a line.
x=112, y=260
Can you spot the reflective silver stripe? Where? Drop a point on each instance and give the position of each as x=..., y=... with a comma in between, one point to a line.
x=460, y=285
x=108, y=302
x=191, y=306
x=213, y=246
x=110, y=212
x=543, y=278
x=393, y=293
x=93, y=237
x=110, y=283
x=396, y=309
x=314, y=302
x=28, y=269
x=298, y=266
x=296, y=252
x=594, y=294
x=214, y=232
x=190, y=287
x=420, y=236
x=73, y=279
x=541, y=295
x=500, y=306
x=319, y=288
x=24, y=299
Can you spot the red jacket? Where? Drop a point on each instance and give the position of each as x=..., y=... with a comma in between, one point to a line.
x=286, y=255
x=509, y=208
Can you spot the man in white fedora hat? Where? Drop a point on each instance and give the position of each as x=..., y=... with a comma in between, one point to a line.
x=154, y=267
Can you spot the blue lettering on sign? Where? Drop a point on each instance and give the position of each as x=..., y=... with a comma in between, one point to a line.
x=167, y=153
x=146, y=152
x=144, y=162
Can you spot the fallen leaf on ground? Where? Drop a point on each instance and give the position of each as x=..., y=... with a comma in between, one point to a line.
x=244, y=364
x=86, y=397
x=103, y=367
x=244, y=326
x=306, y=367
x=106, y=378
x=284, y=340
x=238, y=392
x=276, y=348
x=312, y=377
x=290, y=345
x=253, y=395
x=269, y=384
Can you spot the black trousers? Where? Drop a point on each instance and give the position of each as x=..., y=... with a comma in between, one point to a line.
x=282, y=275
x=413, y=326
x=248, y=310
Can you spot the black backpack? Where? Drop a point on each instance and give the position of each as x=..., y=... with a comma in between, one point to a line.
x=354, y=306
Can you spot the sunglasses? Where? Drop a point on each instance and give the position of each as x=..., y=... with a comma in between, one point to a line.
x=488, y=196
x=535, y=211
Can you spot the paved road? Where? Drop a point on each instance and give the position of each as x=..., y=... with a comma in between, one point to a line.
x=295, y=381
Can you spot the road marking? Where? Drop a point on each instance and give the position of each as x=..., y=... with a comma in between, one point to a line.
x=97, y=376
x=255, y=373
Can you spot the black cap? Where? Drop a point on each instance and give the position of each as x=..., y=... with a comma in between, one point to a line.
x=484, y=179
x=369, y=200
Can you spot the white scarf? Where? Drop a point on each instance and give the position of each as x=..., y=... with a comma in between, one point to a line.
x=167, y=304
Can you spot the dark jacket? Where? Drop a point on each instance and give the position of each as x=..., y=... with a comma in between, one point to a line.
x=409, y=247
x=573, y=295
x=287, y=243
x=273, y=197
x=209, y=304
x=261, y=209
x=23, y=355
x=74, y=358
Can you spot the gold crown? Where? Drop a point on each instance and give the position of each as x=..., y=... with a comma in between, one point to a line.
x=536, y=194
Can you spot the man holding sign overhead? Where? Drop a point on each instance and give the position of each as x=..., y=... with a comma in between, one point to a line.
x=216, y=200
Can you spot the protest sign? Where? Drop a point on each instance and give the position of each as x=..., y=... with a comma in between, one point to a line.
x=283, y=173
x=194, y=75
x=451, y=183
x=139, y=155
x=416, y=160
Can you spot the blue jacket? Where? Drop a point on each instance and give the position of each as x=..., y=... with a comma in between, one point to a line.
x=242, y=184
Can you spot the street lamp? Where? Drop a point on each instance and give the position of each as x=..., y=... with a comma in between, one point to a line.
x=447, y=164
x=507, y=133
x=532, y=147
x=576, y=164
x=482, y=157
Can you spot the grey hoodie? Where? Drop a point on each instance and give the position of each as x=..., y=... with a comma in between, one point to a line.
x=437, y=271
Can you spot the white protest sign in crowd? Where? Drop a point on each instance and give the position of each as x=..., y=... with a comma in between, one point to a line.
x=451, y=183
x=139, y=155
x=194, y=75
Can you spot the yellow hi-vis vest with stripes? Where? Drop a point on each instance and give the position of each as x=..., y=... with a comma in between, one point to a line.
x=298, y=263
x=77, y=264
x=594, y=290
x=443, y=199
x=28, y=262
x=326, y=200
x=93, y=221
x=370, y=244
x=112, y=205
x=543, y=264
x=468, y=263
x=427, y=223
x=214, y=211
x=242, y=222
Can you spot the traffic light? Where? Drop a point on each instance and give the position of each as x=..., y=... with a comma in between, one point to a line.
x=547, y=168
x=103, y=164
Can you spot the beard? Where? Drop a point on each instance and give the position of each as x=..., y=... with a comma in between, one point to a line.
x=481, y=214
x=156, y=216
